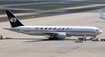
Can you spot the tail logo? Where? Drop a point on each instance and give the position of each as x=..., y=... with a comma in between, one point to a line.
x=13, y=19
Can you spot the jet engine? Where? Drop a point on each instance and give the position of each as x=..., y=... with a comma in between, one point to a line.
x=57, y=36
x=61, y=35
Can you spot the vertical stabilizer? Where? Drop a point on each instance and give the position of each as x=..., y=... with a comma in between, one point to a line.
x=101, y=13
x=13, y=20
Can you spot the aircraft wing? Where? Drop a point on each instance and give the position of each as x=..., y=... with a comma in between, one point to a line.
x=52, y=33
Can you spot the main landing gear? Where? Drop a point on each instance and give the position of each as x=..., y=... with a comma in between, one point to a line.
x=1, y=37
x=53, y=38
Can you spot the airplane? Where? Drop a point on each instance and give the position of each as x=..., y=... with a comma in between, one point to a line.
x=51, y=32
x=102, y=16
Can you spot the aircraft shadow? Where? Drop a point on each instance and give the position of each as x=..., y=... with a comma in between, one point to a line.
x=38, y=40
x=99, y=21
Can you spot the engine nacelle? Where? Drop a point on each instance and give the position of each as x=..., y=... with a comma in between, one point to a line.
x=61, y=35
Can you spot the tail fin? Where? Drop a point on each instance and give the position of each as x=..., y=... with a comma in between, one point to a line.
x=101, y=13
x=13, y=20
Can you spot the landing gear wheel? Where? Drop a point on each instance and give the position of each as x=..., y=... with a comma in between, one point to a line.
x=50, y=38
x=53, y=38
x=1, y=37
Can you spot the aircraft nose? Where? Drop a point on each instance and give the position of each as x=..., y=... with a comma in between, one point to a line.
x=100, y=31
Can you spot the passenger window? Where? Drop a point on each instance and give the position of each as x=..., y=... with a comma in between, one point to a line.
x=67, y=29
x=36, y=28
x=58, y=29
x=63, y=28
x=41, y=28
x=45, y=28
x=97, y=30
x=54, y=28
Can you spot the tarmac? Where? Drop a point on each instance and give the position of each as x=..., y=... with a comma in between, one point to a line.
x=20, y=45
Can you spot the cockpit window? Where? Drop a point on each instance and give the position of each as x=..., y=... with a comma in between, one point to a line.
x=97, y=29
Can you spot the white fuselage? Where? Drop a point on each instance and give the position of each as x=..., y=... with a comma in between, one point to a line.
x=69, y=30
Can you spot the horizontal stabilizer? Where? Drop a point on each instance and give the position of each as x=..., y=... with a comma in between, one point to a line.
x=11, y=29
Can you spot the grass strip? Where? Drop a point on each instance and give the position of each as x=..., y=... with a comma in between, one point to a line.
x=46, y=6
x=31, y=16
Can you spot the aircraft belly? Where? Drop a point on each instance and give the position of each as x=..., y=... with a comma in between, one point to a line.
x=80, y=34
x=33, y=33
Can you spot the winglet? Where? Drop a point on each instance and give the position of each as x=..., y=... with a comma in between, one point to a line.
x=13, y=20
